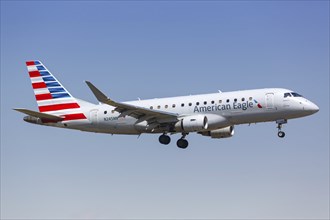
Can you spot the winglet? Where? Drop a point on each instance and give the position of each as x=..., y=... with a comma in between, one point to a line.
x=129, y=109
x=98, y=94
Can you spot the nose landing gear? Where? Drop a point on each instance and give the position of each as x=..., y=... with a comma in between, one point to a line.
x=281, y=134
x=279, y=123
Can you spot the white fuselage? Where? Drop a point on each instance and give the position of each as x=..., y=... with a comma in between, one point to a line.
x=212, y=115
x=222, y=110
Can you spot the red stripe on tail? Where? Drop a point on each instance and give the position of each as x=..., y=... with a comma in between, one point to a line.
x=57, y=107
x=39, y=85
x=43, y=96
x=30, y=63
x=34, y=74
x=69, y=117
x=74, y=117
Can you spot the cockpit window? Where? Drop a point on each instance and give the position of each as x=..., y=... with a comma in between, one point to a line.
x=294, y=94
x=287, y=95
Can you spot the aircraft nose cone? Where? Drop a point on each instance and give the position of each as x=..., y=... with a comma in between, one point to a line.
x=312, y=108
x=315, y=108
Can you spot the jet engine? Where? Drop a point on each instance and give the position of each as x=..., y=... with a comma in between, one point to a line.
x=192, y=123
x=219, y=133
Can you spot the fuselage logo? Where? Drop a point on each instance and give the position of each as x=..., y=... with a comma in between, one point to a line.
x=258, y=104
x=222, y=107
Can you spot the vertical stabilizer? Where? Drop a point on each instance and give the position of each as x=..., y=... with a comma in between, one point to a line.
x=51, y=96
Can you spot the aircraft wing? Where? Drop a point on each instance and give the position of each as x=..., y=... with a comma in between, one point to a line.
x=132, y=110
x=39, y=115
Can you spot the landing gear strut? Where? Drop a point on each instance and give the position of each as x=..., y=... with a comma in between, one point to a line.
x=164, y=139
x=279, y=123
x=182, y=142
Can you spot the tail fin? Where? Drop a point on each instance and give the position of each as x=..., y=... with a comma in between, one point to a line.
x=51, y=96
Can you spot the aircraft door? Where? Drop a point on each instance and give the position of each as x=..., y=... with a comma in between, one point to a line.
x=269, y=100
x=93, y=116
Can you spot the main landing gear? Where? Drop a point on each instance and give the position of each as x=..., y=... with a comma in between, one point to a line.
x=181, y=143
x=164, y=139
x=279, y=123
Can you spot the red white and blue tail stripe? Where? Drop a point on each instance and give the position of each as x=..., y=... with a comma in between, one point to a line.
x=52, y=97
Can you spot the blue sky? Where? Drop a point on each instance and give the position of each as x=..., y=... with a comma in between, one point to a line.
x=156, y=49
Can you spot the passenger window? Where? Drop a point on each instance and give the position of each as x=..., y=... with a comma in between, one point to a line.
x=182, y=105
x=190, y=104
x=197, y=103
x=105, y=112
x=113, y=111
x=158, y=106
x=173, y=106
x=151, y=107
x=220, y=101
x=166, y=106
x=250, y=98
x=227, y=100
x=243, y=99
x=205, y=103
x=235, y=100
x=212, y=102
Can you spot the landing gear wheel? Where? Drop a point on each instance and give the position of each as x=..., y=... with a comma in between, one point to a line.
x=279, y=123
x=164, y=139
x=281, y=134
x=182, y=143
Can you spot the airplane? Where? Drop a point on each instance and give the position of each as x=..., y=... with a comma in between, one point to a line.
x=211, y=115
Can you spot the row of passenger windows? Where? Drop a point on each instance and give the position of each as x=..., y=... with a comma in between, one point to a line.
x=190, y=104
x=198, y=103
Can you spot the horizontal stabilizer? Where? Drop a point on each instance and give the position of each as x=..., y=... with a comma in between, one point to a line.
x=39, y=115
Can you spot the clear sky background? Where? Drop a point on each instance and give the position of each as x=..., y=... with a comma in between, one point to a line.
x=156, y=49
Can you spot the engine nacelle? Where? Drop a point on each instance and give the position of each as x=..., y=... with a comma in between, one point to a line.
x=219, y=133
x=192, y=123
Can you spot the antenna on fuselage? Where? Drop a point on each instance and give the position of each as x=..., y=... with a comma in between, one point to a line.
x=219, y=91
